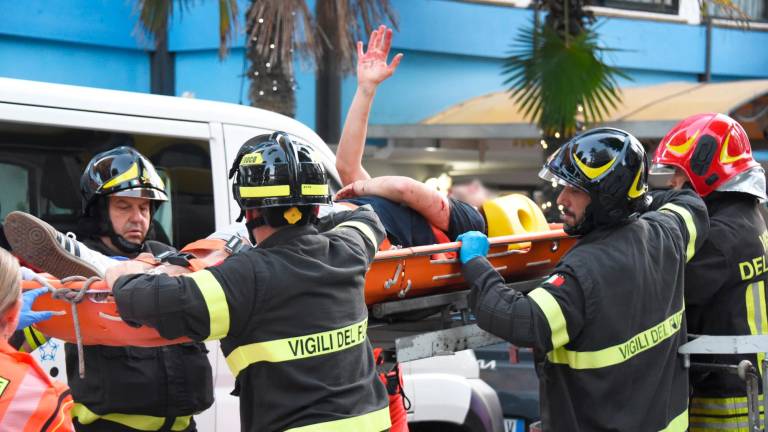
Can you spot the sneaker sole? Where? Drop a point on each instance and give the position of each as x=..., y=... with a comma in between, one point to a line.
x=35, y=242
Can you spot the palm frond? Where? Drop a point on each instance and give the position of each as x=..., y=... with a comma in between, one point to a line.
x=351, y=21
x=550, y=78
x=154, y=16
x=228, y=24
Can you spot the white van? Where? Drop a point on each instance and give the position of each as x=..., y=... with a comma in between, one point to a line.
x=48, y=132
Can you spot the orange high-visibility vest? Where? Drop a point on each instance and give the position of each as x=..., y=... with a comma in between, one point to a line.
x=29, y=400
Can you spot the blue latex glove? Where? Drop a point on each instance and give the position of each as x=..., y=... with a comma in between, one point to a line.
x=473, y=244
x=27, y=316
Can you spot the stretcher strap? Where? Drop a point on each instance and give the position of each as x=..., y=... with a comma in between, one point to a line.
x=73, y=297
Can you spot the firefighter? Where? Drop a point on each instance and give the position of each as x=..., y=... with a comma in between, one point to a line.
x=725, y=281
x=124, y=388
x=29, y=399
x=290, y=313
x=607, y=323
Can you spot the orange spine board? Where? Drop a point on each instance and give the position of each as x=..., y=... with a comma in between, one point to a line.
x=395, y=274
x=100, y=323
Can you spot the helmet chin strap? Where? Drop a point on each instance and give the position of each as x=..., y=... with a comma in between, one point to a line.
x=124, y=245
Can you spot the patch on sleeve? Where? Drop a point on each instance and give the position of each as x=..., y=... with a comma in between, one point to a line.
x=3, y=385
x=556, y=279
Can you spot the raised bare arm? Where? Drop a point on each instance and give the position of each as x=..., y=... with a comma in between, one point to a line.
x=372, y=69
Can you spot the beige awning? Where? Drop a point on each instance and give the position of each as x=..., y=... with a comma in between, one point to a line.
x=644, y=110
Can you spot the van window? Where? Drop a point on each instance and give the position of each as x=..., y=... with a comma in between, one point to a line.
x=15, y=181
x=40, y=169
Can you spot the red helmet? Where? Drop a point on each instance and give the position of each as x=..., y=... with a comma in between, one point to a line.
x=712, y=149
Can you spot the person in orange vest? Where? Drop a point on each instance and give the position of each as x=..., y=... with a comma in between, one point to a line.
x=29, y=400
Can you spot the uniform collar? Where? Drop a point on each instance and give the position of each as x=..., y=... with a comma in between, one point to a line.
x=286, y=235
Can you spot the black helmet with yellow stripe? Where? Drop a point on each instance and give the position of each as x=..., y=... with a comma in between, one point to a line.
x=608, y=164
x=121, y=171
x=280, y=176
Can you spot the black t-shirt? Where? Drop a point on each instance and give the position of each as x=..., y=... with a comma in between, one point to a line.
x=405, y=227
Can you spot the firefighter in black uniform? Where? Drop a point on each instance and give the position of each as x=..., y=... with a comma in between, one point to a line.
x=132, y=388
x=290, y=313
x=725, y=281
x=606, y=325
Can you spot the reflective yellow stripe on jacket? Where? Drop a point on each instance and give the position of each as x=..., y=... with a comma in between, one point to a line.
x=372, y=422
x=757, y=318
x=689, y=224
x=554, y=314
x=678, y=424
x=722, y=414
x=34, y=338
x=215, y=300
x=622, y=352
x=727, y=424
x=297, y=347
x=363, y=228
x=135, y=421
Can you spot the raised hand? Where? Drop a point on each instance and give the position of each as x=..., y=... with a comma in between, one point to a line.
x=372, y=67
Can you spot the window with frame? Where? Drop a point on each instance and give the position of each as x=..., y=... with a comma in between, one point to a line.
x=42, y=166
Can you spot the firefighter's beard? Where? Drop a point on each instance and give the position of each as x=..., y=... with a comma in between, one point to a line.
x=570, y=219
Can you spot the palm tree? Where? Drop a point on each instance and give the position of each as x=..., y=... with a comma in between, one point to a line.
x=557, y=74
x=278, y=29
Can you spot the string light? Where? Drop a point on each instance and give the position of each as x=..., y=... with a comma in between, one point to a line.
x=256, y=73
x=549, y=204
x=557, y=135
x=554, y=183
x=544, y=206
x=561, y=208
x=274, y=89
x=261, y=20
x=268, y=64
x=580, y=108
x=261, y=92
x=271, y=46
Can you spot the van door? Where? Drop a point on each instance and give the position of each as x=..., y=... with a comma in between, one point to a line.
x=43, y=152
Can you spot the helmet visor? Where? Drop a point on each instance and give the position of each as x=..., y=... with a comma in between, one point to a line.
x=547, y=175
x=150, y=194
x=660, y=175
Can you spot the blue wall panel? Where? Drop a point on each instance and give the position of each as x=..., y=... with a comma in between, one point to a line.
x=452, y=27
x=426, y=83
x=197, y=27
x=76, y=64
x=99, y=22
x=653, y=45
x=201, y=73
x=739, y=53
x=646, y=77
